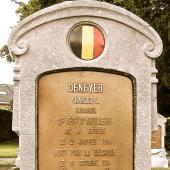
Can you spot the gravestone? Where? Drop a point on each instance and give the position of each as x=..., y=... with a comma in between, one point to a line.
x=158, y=151
x=84, y=95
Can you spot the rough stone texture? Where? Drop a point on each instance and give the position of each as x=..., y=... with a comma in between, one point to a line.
x=158, y=156
x=39, y=44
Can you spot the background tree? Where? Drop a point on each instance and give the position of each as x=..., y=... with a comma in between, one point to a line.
x=155, y=12
x=4, y=53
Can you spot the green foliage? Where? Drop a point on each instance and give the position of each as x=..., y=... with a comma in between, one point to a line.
x=167, y=137
x=155, y=12
x=4, y=53
x=128, y=4
x=9, y=149
x=32, y=6
x=25, y=10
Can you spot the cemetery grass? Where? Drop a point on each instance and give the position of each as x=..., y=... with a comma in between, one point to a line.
x=6, y=164
x=6, y=167
x=8, y=149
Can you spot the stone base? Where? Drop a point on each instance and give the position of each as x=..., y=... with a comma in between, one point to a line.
x=158, y=158
x=159, y=162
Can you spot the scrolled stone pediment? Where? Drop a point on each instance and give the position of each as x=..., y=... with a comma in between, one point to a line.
x=84, y=8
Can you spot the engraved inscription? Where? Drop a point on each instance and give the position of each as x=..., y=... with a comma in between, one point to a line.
x=85, y=121
x=85, y=110
x=89, y=162
x=87, y=142
x=85, y=88
x=97, y=130
x=75, y=120
x=84, y=100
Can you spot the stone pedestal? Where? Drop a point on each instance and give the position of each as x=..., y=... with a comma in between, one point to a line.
x=159, y=159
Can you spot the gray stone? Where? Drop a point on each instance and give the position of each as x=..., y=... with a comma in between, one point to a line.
x=39, y=44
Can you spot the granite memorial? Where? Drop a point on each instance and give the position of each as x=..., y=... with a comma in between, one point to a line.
x=85, y=88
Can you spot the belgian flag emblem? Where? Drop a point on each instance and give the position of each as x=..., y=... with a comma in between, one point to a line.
x=87, y=42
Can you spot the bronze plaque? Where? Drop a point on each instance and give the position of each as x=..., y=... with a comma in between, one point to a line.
x=85, y=121
x=156, y=138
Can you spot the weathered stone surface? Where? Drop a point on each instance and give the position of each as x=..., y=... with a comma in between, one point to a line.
x=39, y=44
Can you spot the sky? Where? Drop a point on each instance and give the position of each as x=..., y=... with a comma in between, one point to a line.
x=8, y=19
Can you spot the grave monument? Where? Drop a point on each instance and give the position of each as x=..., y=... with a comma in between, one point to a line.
x=158, y=151
x=85, y=88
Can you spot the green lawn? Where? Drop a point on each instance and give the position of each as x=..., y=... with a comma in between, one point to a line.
x=6, y=163
x=8, y=149
x=6, y=167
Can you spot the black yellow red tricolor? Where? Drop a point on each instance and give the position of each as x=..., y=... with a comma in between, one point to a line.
x=87, y=42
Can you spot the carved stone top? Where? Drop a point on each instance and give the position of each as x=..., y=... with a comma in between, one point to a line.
x=161, y=120
x=88, y=9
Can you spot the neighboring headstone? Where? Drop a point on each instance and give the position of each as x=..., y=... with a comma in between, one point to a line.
x=158, y=151
x=83, y=95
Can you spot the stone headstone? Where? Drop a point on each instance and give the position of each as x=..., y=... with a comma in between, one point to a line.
x=83, y=72
x=158, y=151
x=156, y=138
